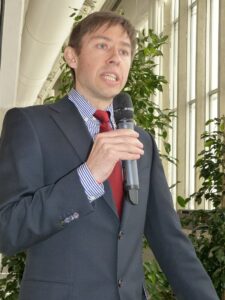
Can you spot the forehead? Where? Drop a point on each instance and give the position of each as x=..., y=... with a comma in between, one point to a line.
x=112, y=32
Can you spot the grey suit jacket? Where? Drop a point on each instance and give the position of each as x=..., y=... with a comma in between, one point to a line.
x=77, y=250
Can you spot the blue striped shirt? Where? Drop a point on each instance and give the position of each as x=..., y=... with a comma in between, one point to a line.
x=92, y=188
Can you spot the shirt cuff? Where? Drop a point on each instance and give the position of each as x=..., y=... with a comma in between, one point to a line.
x=92, y=188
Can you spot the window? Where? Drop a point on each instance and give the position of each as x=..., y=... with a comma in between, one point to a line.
x=212, y=59
x=191, y=100
x=160, y=16
x=194, y=78
x=191, y=152
x=212, y=66
x=159, y=22
x=172, y=178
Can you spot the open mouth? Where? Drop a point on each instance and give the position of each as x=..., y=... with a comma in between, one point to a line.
x=111, y=77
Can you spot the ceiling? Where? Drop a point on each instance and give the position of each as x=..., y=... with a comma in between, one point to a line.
x=34, y=32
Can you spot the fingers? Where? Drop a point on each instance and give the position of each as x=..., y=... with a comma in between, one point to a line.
x=120, y=142
x=110, y=147
x=119, y=132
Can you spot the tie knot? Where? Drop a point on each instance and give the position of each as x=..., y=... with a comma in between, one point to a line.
x=102, y=116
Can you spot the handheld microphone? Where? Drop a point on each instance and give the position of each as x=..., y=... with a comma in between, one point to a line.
x=123, y=113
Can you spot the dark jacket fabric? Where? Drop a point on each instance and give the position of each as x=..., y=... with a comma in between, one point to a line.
x=77, y=250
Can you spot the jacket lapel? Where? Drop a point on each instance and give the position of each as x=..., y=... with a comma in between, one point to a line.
x=68, y=119
x=70, y=122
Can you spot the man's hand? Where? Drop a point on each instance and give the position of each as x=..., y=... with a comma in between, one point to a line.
x=110, y=147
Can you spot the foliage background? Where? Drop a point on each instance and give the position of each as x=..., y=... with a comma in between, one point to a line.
x=208, y=226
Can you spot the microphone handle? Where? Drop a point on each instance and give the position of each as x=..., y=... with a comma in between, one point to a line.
x=130, y=168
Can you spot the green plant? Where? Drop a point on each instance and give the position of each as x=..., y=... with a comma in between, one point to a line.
x=10, y=284
x=156, y=282
x=142, y=83
x=208, y=226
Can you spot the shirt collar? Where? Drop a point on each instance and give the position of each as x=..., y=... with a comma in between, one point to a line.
x=85, y=108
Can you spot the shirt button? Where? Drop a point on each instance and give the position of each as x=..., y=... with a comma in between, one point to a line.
x=120, y=235
x=120, y=282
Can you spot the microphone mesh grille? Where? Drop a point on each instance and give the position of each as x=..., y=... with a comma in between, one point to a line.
x=123, y=107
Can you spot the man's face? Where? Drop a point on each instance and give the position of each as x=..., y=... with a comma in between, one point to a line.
x=103, y=65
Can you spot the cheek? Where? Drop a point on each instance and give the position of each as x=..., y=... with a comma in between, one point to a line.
x=84, y=68
x=126, y=71
x=90, y=65
x=127, y=65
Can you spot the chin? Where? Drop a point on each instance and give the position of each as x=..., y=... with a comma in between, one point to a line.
x=112, y=94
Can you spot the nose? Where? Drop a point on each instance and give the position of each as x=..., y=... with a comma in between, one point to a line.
x=114, y=57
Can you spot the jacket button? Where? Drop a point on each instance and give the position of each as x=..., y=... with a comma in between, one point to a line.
x=120, y=282
x=76, y=215
x=120, y=235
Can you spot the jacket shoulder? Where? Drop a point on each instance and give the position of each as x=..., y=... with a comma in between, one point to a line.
x=145, y=136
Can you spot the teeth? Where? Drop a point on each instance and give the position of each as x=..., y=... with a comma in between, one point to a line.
x=111, y=77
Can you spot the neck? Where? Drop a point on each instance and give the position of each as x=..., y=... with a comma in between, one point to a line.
x=97, y=103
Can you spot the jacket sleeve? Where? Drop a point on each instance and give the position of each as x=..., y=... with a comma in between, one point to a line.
x=31, y=211
x=171, y=247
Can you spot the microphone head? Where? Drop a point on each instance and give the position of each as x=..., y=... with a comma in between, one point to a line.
x=123, y=107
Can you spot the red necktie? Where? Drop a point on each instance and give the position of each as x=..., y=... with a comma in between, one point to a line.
x=115, y=178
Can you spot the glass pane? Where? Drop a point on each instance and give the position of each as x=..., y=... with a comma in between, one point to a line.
x=191, y=154
x=214, y=106
x=172, y=175
x=193, y=52
x=213, y=113
x=213, y=109
x=143, y=25
x=214, y=30
x=175, y=9
x=174, y=67
x=160, y=16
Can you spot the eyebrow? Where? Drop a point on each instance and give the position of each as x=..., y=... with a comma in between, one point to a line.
x=102, y=37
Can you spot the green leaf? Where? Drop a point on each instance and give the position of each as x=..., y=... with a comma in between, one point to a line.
x=182, y=201
x=167, y=147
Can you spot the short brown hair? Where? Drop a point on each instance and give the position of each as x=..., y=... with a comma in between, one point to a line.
x=93, y=22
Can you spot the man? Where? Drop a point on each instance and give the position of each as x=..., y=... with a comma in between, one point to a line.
x=57, y=196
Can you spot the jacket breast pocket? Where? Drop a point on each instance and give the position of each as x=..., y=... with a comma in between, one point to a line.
x=44, y=290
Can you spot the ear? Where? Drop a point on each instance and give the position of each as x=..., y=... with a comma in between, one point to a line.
x=70, y=57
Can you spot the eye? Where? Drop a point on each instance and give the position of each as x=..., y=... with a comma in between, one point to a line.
x=124, y=52
x=102, y=46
